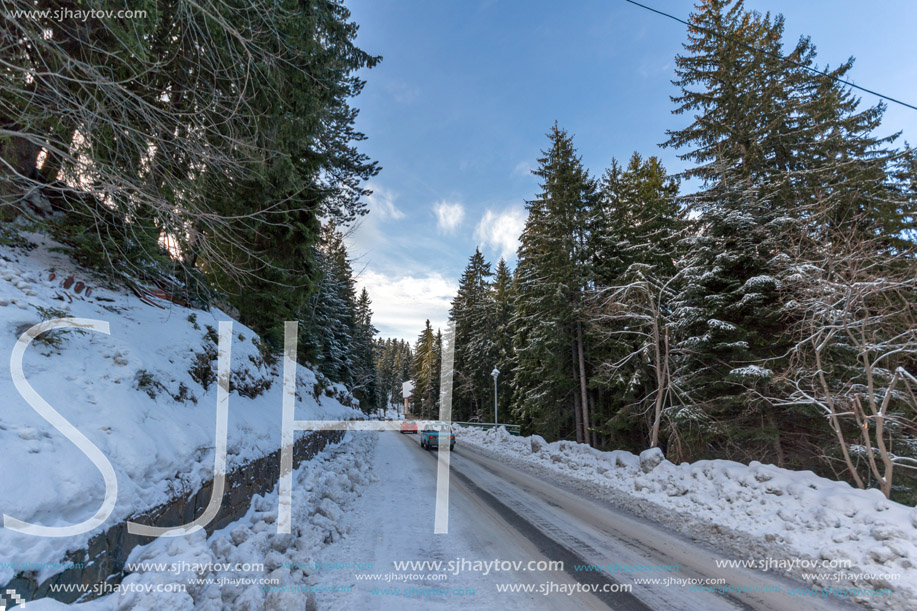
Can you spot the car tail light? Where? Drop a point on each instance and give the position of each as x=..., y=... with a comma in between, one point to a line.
x=431, y=436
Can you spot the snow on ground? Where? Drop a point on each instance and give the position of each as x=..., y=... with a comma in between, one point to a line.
x=222, y=571
x=132, y=393
x=753, y=509
x=393, y=523
x=357, y=508
x=394, y=412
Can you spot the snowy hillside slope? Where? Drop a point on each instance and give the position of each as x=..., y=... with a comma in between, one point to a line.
x=144, y=395
x=757, y=511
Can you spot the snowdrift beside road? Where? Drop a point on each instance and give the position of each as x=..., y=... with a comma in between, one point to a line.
x=248, y=565
x=758, y=511
x=145, y=395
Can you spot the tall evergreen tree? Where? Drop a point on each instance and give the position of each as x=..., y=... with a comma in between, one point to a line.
x=638, y=220
x=364, y=367
x=501, y=314
x=402, y=367
x=728, y=308
x=474, y=356
x=337, y=333
x=634, y=234
x=783, y=153
x=767, y=121
x=393, y=367
x=549, y=389
x=425, y=401
x=437, y=372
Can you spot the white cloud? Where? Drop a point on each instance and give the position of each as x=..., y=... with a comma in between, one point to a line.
x=366, y=237
x=382, y=201
x=401, y=304
x=402, y=92
x=448, y=216
x=523, y=168
x=500, y=231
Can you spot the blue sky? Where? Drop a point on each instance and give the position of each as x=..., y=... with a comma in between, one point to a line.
x=458, y=110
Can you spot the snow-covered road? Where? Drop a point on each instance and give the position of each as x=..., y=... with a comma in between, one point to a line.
x=393, y=522
x=599, y=534
x=500, y=512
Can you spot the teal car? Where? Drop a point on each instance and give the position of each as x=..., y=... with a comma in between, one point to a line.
x=432, y=434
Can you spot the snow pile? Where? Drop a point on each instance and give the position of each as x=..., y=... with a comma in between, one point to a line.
x=145, y=395
x=214, y=569
x=751, y=509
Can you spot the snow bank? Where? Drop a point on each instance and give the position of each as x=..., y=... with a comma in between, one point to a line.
x=217, y=571
x=753, y=509
x=141, y=395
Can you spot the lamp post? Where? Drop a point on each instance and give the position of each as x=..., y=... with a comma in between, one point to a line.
x=495, y=373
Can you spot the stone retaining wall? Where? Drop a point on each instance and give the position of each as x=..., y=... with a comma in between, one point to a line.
x=103, y=560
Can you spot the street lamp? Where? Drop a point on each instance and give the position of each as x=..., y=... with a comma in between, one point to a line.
x=495, y=373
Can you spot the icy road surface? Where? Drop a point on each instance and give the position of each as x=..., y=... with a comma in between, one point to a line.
x=401, y=505
x=498, y=512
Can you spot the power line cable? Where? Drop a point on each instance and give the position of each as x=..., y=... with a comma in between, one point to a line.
x=775, y=56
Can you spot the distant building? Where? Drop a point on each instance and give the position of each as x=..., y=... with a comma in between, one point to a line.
x=407, y=389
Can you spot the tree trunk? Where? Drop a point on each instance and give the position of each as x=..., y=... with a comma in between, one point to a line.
x=20, y=157
x=608, y=438
x=662, y=367
x=577, y=415
x=778, y=445
x=579, y=418
x=582, y=381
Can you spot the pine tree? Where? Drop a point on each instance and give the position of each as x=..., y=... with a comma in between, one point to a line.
x=551, y=276
x=501, y=314
x=327, y=335
x=425, y=374
x=474, y=355
x=364, y=374
x=633, y=240
x=783, y=154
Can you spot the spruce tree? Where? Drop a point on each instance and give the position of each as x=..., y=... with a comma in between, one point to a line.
x=329, y=319
x=474, y=356
x=437, y=373
x=393, y=367
x=549, y=388
x=425, y=374
x=791, y=137
x=501, y=315
x=364, y=374
x=783, y=155
x=634, y=234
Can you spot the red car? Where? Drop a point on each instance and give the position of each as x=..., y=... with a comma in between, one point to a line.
x=408, y=426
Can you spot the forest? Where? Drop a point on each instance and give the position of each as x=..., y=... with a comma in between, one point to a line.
x=768, y=315
x=205, y=149
x=757, y=306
